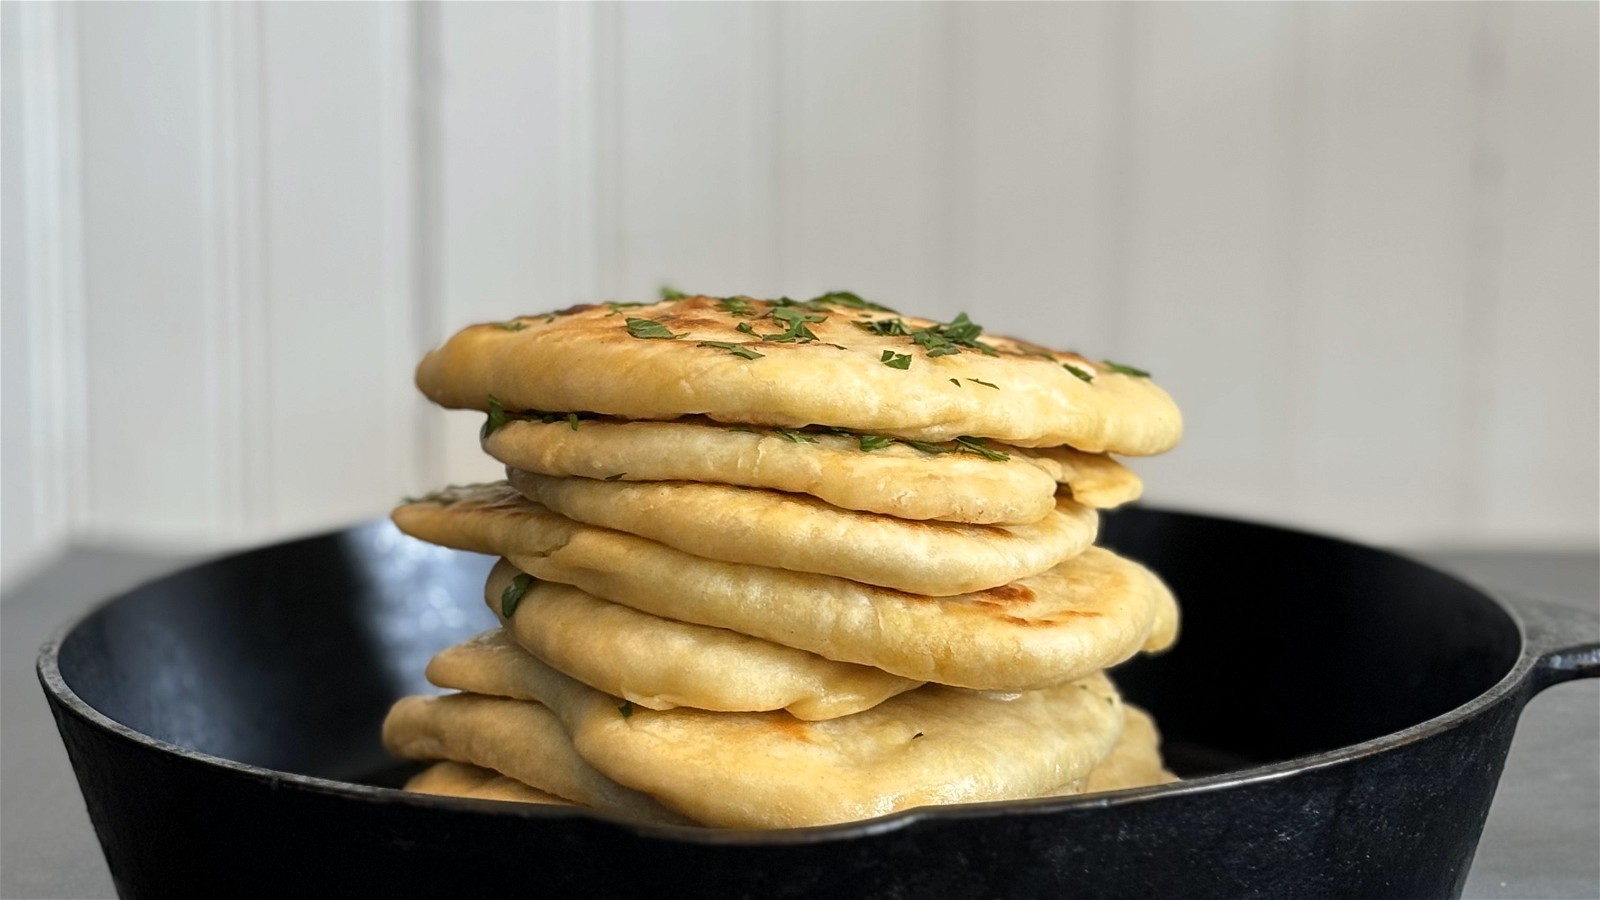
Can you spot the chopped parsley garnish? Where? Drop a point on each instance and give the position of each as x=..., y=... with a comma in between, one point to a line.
x=976, y=445
x=511, y=325
x=739, y=350
x=626, y=709
x=947, y=339
x=617, y=307
x=895, y=360
x=1082, y=374
x=745, y=327
x=649, y=328
x=847, y=299
x=884, y=327
x=739, y=306
x=497, y=417
x=925, y=447
x=797, y=436
x=572, y=420
x=797, y=320
x=512, y=595
x=668, y=292
x=446, y=496
x=984, y=383
x=871, y=442
x=1121, y=369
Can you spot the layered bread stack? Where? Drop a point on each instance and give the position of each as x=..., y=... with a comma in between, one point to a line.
x=777, y=563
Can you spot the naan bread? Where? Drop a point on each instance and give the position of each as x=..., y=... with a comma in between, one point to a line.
x=522, y=740
x=771, y=770
x=895, y=480
x=1136, y=759
x=1093, y=479
x=1087, y=614
x=803, y=534
x=453, y=779
x=588, y=359
x=659, y=663
x=1134, y=762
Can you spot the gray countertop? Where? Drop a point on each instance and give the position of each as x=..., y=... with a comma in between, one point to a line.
x=1542, y=838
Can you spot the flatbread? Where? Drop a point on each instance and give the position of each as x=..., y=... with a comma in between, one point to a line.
x=1093, y=479
x=660, y=664
x=956, y=485
x=932, y=745
x=1134, y=762
x=522, y=740
x=1136, y=759
x=1085, y=615
x=803, y=534
x=453, y=779
x=588, y=359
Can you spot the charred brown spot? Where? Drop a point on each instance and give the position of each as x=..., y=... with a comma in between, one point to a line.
x=1049, y=621
x=790, y=727
x=1006, y=594
x=686, y=322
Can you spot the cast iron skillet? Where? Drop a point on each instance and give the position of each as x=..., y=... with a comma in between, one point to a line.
x=1341, y=715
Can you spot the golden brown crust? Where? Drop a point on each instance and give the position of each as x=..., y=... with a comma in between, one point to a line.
x=661, y=663
x=895, y=480
x=1091, y=612
x=803, y=534
x=587, y=360
x=933, y=745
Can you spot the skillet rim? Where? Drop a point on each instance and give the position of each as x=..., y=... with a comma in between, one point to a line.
x=61, y=694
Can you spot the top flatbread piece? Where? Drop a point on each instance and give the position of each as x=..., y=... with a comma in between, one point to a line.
x=588, y=359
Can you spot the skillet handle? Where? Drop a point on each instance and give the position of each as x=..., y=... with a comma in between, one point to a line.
x=1564, y=641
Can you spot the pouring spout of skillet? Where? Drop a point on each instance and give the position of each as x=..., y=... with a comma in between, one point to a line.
x=1340, y=716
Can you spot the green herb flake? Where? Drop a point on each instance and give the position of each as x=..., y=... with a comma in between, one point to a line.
x=976, y=445
x=616, y=477
x=626, y=709
x=497, y=417
x=448, y=495
x=572, y=420
x=986, y=384
x=797, y=319
x=871, y=442
x=895, y=360
x=617, y=307
x=649, y=329
x=512, y=595
x=739, y=350
x=884, y=327
x=744, y=327
x=1082, y=374
x=668, y=292
x=511, y=325
x=795, y=436
x=1121, y=369
x=950, y=338
x=956, y=382
x=846, y=299
x=738, y=306
x=925, y=447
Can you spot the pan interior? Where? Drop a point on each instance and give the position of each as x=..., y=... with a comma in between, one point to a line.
x=288, y=657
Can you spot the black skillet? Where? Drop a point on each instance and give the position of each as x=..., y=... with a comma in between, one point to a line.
x=1341, y=716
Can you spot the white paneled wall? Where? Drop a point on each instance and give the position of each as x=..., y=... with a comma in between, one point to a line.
x=1357, y=241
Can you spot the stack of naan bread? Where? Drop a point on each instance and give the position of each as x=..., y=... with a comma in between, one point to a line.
x=776, y=563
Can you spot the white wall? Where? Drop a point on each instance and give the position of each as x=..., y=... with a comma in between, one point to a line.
x=1358, y=241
